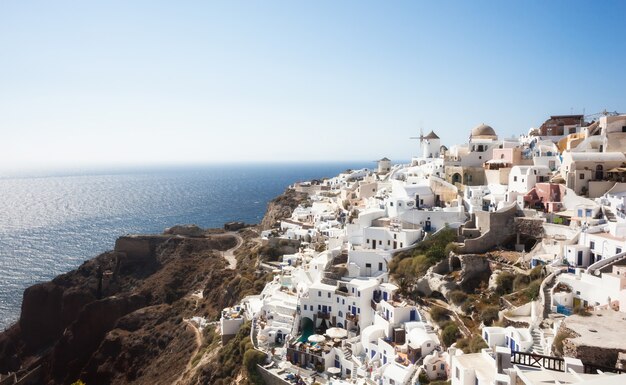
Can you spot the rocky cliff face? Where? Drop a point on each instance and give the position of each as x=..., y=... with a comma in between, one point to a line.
x=281, y=207
x=119, y=318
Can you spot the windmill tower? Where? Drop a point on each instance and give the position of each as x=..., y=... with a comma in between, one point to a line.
x=429, y=144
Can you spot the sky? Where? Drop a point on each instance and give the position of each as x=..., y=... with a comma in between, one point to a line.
x=150, y=82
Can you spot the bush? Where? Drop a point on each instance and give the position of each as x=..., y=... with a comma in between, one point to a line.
x=536, y=272
x=451, y=248
x=450, y=334
x=504, y=283
x=532, y=291
x=439, y=314
x=436, y=254
x=251, y=359
x=423, y=378
x=489, y=315
x=458, y=297
x=476, y=344
x=521, y=280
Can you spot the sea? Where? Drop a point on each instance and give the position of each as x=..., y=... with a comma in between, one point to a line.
x=51, y=223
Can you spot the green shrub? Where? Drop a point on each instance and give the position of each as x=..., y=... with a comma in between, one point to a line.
x=450, y=334
x=471, y=345
x=451, y=248
x=504, y=283
x=476, y=344
x=489, y=315
x=520, y=281
x=251, y=359
x=439, y=314
x=423, y=378
x=536, y=273
x=458, y=297
x=532, y=291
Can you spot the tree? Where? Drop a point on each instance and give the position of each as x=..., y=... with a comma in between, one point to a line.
x=489, y=315
x=504, y=283
x=450, y=334
x=251, y=359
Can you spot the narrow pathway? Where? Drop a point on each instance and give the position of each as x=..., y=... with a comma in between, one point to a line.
x=198, y=339
x=229, y=254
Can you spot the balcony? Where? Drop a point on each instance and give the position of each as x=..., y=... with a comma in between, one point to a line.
x=323, y=315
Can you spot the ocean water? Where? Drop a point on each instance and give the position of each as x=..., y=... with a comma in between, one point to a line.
x=51, y=224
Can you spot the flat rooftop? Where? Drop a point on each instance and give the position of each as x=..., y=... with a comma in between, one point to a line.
x=604, y=328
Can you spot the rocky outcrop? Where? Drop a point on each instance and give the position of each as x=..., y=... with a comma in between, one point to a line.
x=281, y=207
x=185, y=230
x=76, y=328
x=473, y=269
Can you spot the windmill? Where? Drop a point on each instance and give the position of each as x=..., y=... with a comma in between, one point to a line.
x=421, y=137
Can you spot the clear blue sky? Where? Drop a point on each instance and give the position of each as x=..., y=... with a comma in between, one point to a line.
x=116, y=82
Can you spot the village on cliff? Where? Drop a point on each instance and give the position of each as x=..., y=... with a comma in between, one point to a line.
x=499, y=261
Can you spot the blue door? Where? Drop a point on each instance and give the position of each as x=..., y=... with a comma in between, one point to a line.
x=413, y=315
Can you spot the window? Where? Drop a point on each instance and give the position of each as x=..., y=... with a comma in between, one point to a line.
x=388, y=242
x=391, y=204
x=368, y=265
x=515, y=179
x=329, y=295
x=380, y=264
x=380, y=242
x=618, y=250
x=304, y=307
x=434, y=367
x=319, y=293
x=337, y=299
x=399, y=204
x=623, y=128
x=395, y=236
x=592, y=245
x=319, y=307
x=581, y=176
x=441, y=366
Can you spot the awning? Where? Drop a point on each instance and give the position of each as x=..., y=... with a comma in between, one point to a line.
x=618, y=169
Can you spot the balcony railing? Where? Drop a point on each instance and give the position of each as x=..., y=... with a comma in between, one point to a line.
x=323, y=315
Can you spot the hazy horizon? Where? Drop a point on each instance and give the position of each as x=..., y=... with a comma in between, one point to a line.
x=148, y=83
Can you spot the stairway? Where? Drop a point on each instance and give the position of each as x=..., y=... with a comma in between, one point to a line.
x=347, y=353
x=536, y=348
x=547, y=308
x=609, y=214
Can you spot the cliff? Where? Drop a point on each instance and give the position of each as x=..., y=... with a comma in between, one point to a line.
x=122, y=317
x=281, y=207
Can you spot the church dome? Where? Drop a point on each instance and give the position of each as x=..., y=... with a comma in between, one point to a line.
x=483, y=130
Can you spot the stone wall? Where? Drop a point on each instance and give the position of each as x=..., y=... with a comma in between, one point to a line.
x=495, y=228
x=269, y=378
x=136, y=247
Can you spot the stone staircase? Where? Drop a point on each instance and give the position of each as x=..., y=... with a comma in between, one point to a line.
x=547, y=307
x=609, y=214
x=536, y=347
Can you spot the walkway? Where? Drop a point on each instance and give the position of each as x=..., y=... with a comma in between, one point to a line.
x=229, y=254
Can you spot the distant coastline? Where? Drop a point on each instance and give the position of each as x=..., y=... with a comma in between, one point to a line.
x=56, y=221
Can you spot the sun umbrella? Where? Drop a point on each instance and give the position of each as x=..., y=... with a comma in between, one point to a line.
x=316, y=338
x=336, y=333
x=334, y=370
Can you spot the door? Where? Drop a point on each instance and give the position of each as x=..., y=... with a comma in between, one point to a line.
x=580, y=258
x=373, y=244
x=417, y=201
